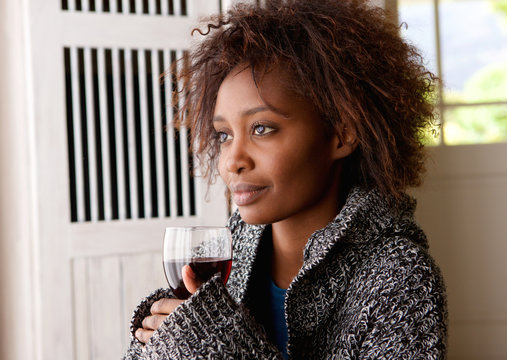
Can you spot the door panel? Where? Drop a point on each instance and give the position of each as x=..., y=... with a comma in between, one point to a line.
x=112, y=172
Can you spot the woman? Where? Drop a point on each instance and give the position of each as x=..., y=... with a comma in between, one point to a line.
x=313, y=114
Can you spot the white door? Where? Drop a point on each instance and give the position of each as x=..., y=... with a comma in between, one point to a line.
x=111, y=170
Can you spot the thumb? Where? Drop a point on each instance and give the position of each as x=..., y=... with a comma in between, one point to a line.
x=190, y=280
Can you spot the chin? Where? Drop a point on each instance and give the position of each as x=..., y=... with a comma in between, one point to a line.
x=253, y=219
x=258, y=217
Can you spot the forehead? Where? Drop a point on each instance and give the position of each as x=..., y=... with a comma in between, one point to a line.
x=239, y=83
x=245, y=87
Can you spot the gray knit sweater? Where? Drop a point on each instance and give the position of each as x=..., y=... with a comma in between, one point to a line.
x=368, y=289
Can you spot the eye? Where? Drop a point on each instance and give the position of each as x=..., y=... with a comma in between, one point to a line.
x=222, y=137
x=260, y=129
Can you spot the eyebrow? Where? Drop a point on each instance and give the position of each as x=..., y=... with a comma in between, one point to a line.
x=252, y=111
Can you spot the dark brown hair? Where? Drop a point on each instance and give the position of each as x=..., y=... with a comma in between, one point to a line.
x=343, y=56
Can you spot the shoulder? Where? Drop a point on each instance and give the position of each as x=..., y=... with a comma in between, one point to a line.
x=399, y=282
x=399, y=264
x=401, y=294
x=386, y=244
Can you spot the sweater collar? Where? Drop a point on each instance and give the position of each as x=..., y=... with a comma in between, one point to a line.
x=365, y=215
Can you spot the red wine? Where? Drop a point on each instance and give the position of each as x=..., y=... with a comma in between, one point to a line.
x=204, y=269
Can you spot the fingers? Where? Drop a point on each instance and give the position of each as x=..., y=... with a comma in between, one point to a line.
x=153, y=322
x=150, y=324
x=144, y=335
x=190, y=280
x=159, y=311
x=164, y=306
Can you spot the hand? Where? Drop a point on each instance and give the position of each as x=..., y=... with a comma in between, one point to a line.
x=162, y=308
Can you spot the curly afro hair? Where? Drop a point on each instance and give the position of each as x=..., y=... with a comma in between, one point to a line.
x=345, y=57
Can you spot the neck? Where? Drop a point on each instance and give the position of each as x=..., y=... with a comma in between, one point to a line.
x=291, y=235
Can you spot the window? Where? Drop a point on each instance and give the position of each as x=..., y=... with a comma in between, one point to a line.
x=464, y=42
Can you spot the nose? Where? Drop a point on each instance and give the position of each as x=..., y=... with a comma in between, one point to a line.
x=237, y=157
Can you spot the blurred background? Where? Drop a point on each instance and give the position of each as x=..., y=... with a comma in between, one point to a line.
x=91, y=170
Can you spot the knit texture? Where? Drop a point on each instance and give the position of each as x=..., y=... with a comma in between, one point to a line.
x=368, y=289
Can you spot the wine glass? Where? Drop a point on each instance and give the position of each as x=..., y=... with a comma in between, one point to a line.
x=207, y=249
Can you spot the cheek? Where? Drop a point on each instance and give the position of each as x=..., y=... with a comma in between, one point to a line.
x=303, y=171
x=289, y=173
x=221, y=167
x=301, y=159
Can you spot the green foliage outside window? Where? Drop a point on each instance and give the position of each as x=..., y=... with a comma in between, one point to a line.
x=480, y=124
x=501, y=7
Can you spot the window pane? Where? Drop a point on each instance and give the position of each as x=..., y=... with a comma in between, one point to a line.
x=474, y=50
x=418, y=15
x=475, y=124
x=419, y=30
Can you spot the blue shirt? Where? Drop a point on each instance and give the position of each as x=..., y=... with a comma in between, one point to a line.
x=278, y=322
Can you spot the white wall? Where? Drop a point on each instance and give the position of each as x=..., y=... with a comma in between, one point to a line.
x=463, y=209
x=17, y=226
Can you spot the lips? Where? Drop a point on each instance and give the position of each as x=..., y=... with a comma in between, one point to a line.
x=246, y=194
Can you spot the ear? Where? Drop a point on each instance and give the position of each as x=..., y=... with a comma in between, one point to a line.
x=347, y=144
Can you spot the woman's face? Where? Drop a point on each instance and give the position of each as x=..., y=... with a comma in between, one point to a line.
x=278, y=164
